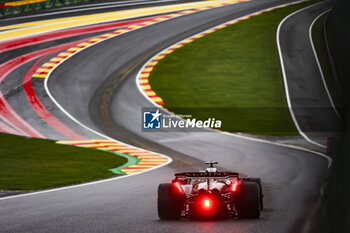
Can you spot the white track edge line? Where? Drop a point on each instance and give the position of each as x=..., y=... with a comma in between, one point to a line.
x=319, y=65
x=330, y=160
x=285, y=77
x=227, y=133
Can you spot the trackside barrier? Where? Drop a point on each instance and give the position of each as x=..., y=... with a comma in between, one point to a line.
x=18, y=7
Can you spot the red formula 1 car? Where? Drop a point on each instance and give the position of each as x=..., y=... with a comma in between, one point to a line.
x=210, y=194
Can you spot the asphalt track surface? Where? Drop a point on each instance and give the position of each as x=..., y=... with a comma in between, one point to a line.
x=291, y=177
x=312, y=106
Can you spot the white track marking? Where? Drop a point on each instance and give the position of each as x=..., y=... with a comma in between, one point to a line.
x=226, y=133
x=285, y=77
x=329, y=159
x=319, y=65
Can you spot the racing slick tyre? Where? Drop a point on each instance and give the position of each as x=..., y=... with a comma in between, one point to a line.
x=170, y=202
x=248, y=203
x=258, y=181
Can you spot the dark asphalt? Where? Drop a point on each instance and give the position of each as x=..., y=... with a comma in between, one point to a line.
x=15, y=94
x=8, y=55
x=311, y=105
x=13, y=91
x=291, y=178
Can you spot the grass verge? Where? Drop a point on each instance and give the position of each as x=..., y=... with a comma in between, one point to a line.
x=232, y=75
x=32, y=164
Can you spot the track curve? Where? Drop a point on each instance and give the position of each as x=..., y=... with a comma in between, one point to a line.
x=129, y=204
x=310, y=104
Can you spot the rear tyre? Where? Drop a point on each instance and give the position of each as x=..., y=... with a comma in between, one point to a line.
x=258, y=181
x=248, y=201
x=170, y=202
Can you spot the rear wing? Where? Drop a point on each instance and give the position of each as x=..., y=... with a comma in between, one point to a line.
x=206, y=174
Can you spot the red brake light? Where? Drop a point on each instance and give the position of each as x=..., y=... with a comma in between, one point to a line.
x=207, y=203
x=234, y=186
x=179, y=187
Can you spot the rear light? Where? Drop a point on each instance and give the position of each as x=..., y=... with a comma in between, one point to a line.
x=234, y=186
x=179, y=188
x=207, y=203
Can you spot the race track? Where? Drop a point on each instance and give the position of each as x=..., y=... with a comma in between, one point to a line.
x=310, y=100
x=97, y=87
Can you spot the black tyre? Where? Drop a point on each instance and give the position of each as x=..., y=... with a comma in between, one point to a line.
x=170, y=202
x=248, y=201
x=258, y=181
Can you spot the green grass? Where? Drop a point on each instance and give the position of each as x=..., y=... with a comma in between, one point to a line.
x=31, y=164
x=233, y=75
x=322, y=54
